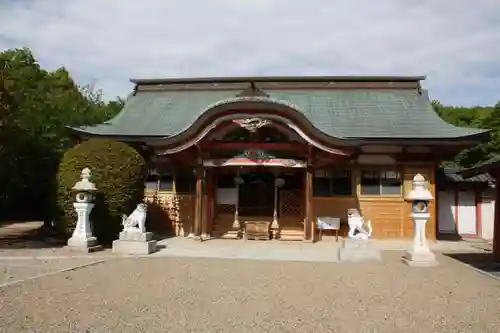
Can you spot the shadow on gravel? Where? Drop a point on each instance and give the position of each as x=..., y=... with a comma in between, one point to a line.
x=37, y=238
x=481, y=261
x=35, y=235
x=450, y=237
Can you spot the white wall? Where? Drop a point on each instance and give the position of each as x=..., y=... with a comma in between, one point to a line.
x=465, y=222
x=488, y=214
x=446, y=212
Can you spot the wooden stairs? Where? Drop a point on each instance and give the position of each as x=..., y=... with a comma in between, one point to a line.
x=292, y=231
x=290, y=228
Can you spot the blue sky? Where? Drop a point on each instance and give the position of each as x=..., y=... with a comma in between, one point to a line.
x=456, y=44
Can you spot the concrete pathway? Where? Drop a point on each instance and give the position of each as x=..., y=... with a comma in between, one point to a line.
x=22, y=264
x=324, y=251
x=256, y=250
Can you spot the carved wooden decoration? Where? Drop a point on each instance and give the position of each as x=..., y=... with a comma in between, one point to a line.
x=252, y=124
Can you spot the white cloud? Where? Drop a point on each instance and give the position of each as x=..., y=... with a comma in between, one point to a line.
x=455, y=43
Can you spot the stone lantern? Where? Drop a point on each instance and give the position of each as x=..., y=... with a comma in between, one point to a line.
x=82, y=238
x=279, y=182
x=419, y=255
x=237, y=181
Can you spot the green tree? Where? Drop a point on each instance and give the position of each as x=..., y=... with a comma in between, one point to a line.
x=35, y=107
x=492, y=122
x=118, y=171
x=477, y=117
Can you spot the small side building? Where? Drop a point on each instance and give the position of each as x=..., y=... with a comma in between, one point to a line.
x=465, y=205
x=491, y=166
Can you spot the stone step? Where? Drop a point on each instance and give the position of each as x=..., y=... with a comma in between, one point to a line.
x=287, y=236
x=286, y=229
x=242, y=223
x=291, y=238
x=291, y=233
x=222, y=228
x=225, y=234
x=291, y=228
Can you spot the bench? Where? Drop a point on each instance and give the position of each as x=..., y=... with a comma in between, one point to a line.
x=328, y=223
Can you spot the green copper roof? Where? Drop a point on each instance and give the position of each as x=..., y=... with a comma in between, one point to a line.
x=486, y=166
x=283, y=79
x=353, y=113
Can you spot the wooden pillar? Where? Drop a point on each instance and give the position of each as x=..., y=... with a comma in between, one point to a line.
x=479, y=216
x=310, y=224
x=309, y=231
x=496, y=223
x=306, y=206
x=209, y=178
x=198, y=202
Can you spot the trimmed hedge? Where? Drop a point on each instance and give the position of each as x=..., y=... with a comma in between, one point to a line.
x=117, y=170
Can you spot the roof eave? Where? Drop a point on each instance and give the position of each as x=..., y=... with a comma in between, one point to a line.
x=469, y=140
x=279, y=79
x=458, y=141
x=119, y=137
x=487, y=166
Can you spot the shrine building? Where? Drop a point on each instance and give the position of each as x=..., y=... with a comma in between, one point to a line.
x=225, y=151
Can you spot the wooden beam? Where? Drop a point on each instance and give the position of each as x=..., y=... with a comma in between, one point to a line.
x=416, y=157
x=323, y=160
x=254, y=145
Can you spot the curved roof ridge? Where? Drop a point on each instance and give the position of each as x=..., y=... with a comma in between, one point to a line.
x=221, y=79
x=433, y=113
x=338, y=113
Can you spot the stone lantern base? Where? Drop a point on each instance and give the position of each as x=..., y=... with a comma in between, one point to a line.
x=85, y=245
x=358, y=250
x=420, y=259
x=134, y=242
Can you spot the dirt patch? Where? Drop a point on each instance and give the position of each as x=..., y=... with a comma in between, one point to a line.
x=27, y=235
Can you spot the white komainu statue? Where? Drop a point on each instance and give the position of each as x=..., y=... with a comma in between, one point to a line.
x=137, y=220
x=358, y=228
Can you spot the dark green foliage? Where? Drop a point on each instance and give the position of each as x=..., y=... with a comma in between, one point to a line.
x=462, y=116
x=119, y=173
x=35, y=107
x=478, y=117
x=492, y=121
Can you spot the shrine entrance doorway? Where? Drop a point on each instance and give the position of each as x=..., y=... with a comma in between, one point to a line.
x=256, y=193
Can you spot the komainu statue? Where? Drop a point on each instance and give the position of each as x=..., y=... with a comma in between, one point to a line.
x=358, y=228
x=136, y=221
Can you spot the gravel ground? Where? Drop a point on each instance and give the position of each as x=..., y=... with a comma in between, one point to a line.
x=55, y=253
x=167, y=294
x=14, y=270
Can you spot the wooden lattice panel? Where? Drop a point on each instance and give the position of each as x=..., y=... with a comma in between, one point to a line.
x=225, y=209
x=177, y=208
x=150, y=197
x=291, y=203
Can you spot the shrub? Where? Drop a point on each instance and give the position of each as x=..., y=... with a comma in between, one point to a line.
x=117, y=170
